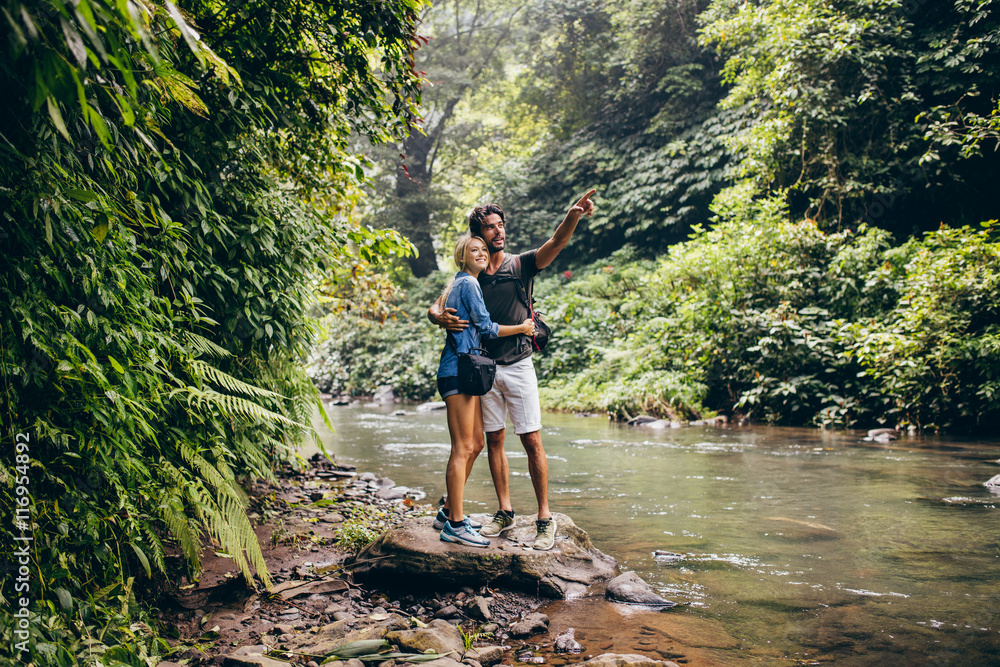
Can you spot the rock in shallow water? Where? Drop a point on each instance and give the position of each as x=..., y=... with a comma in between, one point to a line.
x=566, y=642
x=628, y=587
x=531, y=625
x=414, y=553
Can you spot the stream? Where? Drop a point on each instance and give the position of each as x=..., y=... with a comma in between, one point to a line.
x=788, y=546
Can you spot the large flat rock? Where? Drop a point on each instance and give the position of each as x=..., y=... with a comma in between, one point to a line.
x=413, y=556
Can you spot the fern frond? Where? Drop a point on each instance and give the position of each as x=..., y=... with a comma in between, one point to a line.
x=223, y=484
x=226, y=520
x=158, y=552
x=229, y=383
x=179, y=525
x=205, y=346
x=255, y=453
x=235, y=407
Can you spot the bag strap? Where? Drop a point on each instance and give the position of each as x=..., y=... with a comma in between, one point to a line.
x=481, y=351
x=524, y=297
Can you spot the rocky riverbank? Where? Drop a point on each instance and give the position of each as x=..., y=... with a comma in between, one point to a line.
x=324, y=597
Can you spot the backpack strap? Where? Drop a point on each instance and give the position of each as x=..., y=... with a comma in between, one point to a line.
x=525, y=297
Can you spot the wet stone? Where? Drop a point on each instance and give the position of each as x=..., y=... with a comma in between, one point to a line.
x=532, y=624
x=447, y=612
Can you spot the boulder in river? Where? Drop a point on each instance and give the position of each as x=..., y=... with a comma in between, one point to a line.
x=566, y=642
x=628, y=587
x=882, y=435
x=413, y=555
x=993, y=482
x=431, y=406
x=532, y=624
x=641, y=420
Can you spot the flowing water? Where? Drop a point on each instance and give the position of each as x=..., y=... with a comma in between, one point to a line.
x=789, y=546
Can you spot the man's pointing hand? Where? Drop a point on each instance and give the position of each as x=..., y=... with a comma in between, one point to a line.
x=584, y=206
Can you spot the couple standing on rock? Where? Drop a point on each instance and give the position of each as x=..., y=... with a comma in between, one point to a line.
x=485, y=293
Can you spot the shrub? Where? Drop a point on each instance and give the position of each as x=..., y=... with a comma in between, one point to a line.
x=936, y=354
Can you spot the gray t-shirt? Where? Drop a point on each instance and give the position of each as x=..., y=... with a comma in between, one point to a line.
x=506, y=307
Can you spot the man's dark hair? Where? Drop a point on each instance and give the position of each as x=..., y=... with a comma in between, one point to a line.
x=478, y=217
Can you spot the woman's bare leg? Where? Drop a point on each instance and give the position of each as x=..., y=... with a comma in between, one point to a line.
x=479, y=443
x=464, y=418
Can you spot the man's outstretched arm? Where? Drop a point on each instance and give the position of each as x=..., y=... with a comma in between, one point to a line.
x=547, y=253
x=445, y=318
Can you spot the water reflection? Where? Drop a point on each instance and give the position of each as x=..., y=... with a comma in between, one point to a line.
x=801, y=544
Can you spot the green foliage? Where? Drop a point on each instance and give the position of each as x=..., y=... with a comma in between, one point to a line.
x=362, y=351
x=464, y=47
x=630, y=102
x=169, y=186
x=937, y=352
x=787, y=324
x=877, y=110
x=361, y=529
x=472, y=635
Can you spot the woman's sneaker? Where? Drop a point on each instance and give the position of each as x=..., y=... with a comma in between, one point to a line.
x=499, y=524
x=464, y=534
x=545, y=536
x=442, y=518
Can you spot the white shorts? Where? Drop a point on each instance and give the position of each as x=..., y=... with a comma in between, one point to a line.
x=514, y=392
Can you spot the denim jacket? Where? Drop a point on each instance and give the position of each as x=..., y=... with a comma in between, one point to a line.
x=466, y=297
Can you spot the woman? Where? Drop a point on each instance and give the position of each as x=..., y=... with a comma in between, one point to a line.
x=465, y=419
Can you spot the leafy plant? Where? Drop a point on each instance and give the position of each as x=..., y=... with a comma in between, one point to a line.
x=363, y=527
x=169, y=186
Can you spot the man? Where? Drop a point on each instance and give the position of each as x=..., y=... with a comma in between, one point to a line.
x=515, y=390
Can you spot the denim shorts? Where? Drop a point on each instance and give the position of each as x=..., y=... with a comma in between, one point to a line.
x=448, y=386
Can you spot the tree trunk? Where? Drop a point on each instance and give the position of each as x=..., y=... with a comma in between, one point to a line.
x=413, y=180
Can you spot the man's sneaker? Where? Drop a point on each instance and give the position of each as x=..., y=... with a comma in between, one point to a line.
x=442, y=518
x=464, y=534
x=545, y=535
x=499, y=524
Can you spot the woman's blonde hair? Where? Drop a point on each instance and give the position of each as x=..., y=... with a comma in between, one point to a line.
x=461, y=257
